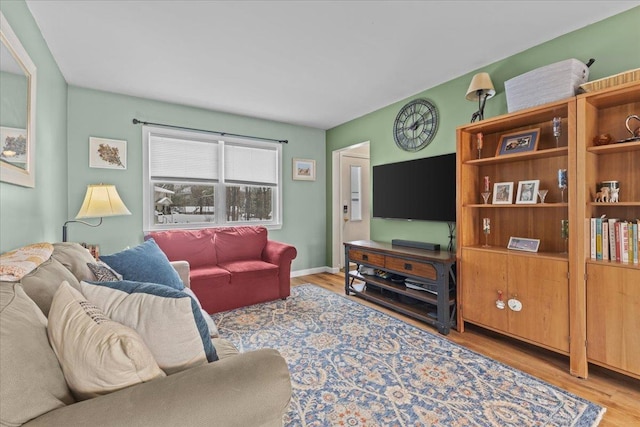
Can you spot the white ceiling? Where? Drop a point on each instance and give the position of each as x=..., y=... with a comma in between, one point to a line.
x=311, y=63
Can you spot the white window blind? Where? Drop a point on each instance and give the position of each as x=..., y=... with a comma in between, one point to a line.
x=251, y=164
x=180, y=158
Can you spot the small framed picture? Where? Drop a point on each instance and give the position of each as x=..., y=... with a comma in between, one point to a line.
x=528, y=192
x=523, y=244
x=518, y=142
x=107, y=153
x=304, y=169
x=502, y=193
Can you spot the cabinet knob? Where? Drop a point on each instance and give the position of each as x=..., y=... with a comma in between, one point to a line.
x=365, y=257
x=408, y=266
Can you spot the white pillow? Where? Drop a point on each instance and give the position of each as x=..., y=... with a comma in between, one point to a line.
x=168, y=320
x=213, y=329
x=97, y=355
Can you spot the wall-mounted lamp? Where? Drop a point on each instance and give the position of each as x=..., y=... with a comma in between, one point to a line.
x=480, y=89
x=100, y=200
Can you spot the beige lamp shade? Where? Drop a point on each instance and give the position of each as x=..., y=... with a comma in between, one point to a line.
x=480, y=86
x=102, y=200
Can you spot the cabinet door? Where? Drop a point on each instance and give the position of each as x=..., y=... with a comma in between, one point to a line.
x=484, y=273
x=542, y=286
x=613, y=317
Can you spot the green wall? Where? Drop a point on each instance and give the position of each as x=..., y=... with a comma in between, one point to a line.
x=614, y=43
x=108, y=115
x=29, y=215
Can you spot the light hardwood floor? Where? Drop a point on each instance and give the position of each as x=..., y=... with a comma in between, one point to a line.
x=618, y=393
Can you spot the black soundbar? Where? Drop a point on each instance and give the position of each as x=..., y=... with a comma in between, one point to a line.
x=417, y=245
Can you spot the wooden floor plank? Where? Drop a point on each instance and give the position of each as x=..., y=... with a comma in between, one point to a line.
x=618, y=393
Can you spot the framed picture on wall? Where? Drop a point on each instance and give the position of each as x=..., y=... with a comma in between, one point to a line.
x=304, y=169
x=107, y=153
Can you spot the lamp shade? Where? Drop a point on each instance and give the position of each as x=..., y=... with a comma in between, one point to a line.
x=102, y=200
x=480, y=85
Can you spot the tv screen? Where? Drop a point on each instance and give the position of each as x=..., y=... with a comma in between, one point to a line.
x=422, y=189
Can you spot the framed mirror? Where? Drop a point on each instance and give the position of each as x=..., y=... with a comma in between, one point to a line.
x=18, y=106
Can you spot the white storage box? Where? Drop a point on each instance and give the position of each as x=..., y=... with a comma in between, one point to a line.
x=545, y=84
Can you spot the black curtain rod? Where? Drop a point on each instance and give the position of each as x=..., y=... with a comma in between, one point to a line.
x=281, y=141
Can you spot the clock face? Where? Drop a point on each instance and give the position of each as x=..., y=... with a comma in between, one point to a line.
x=415, y=125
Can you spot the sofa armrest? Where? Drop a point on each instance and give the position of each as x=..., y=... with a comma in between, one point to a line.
x=184, y=271
x=281, y=254
x=250, y=389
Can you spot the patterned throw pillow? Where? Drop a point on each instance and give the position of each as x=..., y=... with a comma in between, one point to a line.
x=145, y=263
x=97, y=355
x=103, y=272
x=169, y=321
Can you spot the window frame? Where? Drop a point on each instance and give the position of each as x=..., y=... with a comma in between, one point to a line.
x=148, y=203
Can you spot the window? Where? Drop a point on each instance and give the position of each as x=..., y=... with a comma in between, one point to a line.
x=195, y=180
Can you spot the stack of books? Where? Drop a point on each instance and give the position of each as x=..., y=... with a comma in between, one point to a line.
x=615, y=240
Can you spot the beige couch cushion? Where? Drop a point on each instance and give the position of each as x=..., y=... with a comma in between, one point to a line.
x=42, y=283
x=75, y=258
x=98, y=355
x=32, y=381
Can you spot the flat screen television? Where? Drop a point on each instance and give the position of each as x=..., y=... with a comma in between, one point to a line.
x=421, y=189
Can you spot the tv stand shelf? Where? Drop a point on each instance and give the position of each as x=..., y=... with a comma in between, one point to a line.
x=432, y=267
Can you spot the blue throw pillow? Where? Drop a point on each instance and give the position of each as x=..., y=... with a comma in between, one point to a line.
x=169, y=321
x=145, y=263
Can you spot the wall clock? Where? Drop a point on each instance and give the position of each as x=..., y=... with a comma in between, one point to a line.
x=416, y=124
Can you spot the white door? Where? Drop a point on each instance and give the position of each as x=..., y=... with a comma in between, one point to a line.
x=354, y=197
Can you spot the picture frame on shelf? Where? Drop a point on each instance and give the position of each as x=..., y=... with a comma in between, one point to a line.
x=107, y=153
x=304, y=170
x=523, y=244
x=502, y=193
x=518, y=142
x=528, y=192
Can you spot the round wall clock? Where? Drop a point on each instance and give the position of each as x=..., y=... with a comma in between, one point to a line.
x=416, y=124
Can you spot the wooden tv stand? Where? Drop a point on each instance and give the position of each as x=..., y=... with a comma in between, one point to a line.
x=433, y=268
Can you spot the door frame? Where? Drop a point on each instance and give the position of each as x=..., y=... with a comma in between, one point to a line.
x=336, y=203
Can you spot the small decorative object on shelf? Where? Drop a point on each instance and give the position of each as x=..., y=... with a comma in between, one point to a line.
x=564, y=233
x=635, y=134
x=486, y=229
x=603, y=139
x=500, y=301
x=542, y=194
x=486, y=190
x=479, y=144
x=562, y=182
x=607, y=192
x=557, y=129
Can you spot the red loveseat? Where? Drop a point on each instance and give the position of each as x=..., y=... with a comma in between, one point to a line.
x=231, y=267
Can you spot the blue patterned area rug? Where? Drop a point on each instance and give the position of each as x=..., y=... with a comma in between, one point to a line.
x=352, y=365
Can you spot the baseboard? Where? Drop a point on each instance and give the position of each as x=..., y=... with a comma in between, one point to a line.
x=316, y=270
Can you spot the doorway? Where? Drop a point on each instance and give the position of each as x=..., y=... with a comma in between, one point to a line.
x=351, y=198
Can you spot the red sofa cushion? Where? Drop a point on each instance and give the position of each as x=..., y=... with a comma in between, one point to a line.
x=239, y=243
x=194, y=246
x=250, y=271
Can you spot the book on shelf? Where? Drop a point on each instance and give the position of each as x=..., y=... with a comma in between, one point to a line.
x=605, y=240
x=612, y=238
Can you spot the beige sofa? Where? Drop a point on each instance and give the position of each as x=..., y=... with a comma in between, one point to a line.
x=245, y=389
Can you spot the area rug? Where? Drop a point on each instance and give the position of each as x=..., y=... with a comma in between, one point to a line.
x=352, y=365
